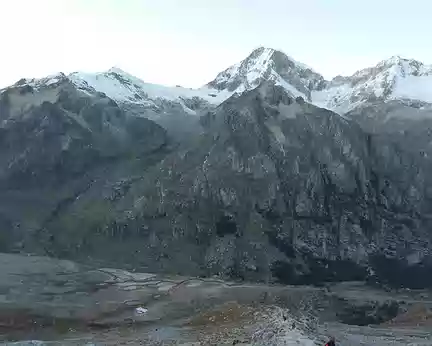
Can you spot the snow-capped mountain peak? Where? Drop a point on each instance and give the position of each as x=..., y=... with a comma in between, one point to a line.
x=37, y=83
x=399, y=60
x=393, y=60
x=123, y=75
x=116, y=69
x=395, y=78
x=245, y=74
x=268, y=64
x=403, y=66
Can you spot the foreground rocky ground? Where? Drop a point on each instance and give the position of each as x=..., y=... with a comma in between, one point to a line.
x=64, y=303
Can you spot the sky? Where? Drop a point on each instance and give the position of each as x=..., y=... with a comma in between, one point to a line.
x=187, y=42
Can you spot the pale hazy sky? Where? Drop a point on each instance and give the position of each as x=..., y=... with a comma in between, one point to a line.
x=188, y=42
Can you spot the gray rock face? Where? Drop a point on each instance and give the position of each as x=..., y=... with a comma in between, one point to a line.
x=179, y=124
x=274, y=190
x=393, y=116
x=55, y=144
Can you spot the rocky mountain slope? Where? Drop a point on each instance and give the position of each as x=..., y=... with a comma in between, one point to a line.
x=243, y=178
x=55, y=143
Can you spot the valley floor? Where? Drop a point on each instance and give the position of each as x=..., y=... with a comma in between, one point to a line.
x=64, y=303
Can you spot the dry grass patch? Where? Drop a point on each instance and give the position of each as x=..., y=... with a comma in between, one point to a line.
x=417, y=315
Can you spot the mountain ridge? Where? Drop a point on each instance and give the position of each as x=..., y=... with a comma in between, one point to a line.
x=396, y=78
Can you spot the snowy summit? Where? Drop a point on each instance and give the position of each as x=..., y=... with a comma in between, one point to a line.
x=392, y=79
x=268, y=64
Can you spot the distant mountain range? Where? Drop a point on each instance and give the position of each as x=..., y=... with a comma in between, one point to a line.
x=393, y=79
